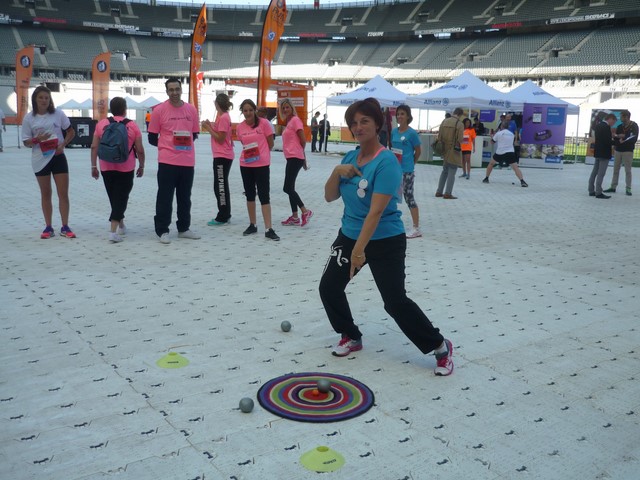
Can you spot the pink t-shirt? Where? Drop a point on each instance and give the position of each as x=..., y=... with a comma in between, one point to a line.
x=255, y=148
x=176, y=126
x=290, y=139
x=133, y=132
x=224, y=149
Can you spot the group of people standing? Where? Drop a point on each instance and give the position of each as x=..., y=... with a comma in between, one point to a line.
x=172, y=128
x=623, y=142
x=458, y=140
x=320, y=131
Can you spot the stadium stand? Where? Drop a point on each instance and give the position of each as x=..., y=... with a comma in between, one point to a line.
x=405, y=41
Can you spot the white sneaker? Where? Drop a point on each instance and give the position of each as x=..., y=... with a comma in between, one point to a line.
x=121, y=230
x=414, y=233
x=345, y=346
x=114, y=237
x=189, y=234
x=444, y=362
x=164, y=238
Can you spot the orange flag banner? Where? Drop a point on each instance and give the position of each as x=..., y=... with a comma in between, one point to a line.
x=197, y=46
x=100, y=76
x=272, y=30
x=24, y=70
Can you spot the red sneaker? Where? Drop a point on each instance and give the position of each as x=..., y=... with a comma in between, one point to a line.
x=65, y=231
x=306, y=216
x=346, y=346
x=47, y=233
x=445, y=362
x=291, y=221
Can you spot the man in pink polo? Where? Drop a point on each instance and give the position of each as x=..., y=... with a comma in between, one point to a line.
x=173, y=128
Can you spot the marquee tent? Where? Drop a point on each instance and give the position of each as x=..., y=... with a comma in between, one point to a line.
x=465, y=91
x=75, y=105
x=378, y=88
x=531, y=93
x=150, y=102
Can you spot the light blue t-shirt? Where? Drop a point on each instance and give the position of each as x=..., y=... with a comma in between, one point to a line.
x=381, y=175
x=406, y=141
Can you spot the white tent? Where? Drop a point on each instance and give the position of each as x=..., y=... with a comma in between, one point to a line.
x=531, y=93
x=378, y=88
x=465, y=91
x=73, y=105
x=150, y=102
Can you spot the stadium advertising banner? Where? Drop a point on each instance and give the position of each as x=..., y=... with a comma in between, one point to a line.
x=543, y=132
x=272, y=30
x=100, y=76
x=24, y=70
x=197, y=45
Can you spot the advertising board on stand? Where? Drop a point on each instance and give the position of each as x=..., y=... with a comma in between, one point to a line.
x=542, y=138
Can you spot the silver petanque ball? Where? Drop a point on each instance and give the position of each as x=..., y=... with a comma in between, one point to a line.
x=285, y=326
x=246, y=405
x=324, y=385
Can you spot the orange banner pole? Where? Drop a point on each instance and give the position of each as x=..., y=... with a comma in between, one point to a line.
x=24, y=70
x=100, y=76
x=272, y=30
x=197, y=46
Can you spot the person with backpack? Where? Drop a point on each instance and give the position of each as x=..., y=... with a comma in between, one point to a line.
x=117, y=142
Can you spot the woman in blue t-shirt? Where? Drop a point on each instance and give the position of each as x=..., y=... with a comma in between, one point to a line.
x=406, y=142
x=369, y=180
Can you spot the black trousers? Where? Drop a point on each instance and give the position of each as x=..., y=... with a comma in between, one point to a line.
x=290, y=174
x=173, y=178
x=386, y=259
x=323, y=140
x=118, y=186
x=221, y=168
x=314, y=140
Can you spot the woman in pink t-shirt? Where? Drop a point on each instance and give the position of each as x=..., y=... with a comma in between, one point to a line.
x=222, y=148
x=293, y=143
x=118, y=177
x=256, y=136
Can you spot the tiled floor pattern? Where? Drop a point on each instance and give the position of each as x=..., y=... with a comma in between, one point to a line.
x=537, y=288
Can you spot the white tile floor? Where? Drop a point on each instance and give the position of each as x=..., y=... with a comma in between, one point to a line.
x=537, y=287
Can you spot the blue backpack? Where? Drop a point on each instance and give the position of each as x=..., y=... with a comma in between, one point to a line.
x=114, y=143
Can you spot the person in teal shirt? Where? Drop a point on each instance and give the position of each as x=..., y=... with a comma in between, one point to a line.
x=405, y=141
x=372, y=233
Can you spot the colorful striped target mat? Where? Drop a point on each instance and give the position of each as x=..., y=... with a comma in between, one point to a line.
x=297, y=396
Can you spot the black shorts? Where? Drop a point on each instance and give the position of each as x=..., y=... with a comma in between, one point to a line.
x=256, y=178
x=508, y=158
x=58, y=164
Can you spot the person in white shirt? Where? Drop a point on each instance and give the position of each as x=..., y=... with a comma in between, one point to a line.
x=46, y=130
x=505, y=152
